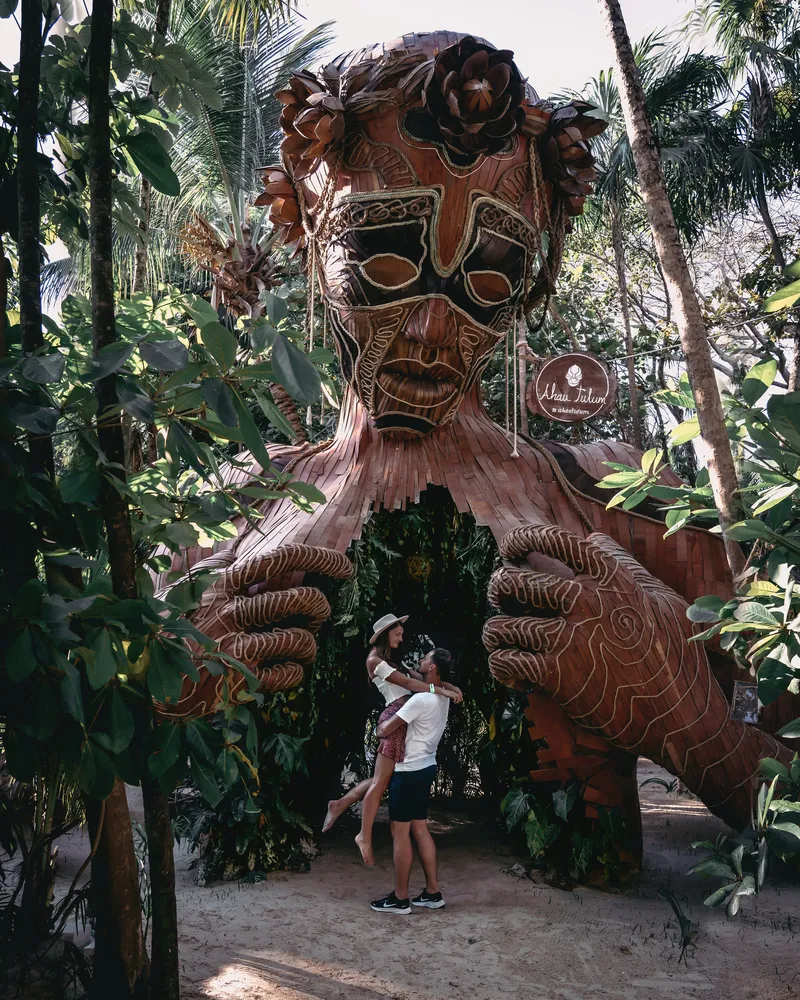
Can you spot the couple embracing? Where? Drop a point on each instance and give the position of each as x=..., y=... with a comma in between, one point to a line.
x=410, y=728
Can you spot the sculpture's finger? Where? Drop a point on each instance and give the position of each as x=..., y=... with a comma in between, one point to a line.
x=513, y=666
x=534, y=635
x=580, y=554
x=282, y=644
x=286, y=559
x=281, y=678
x=247, y=613
x=514, y=589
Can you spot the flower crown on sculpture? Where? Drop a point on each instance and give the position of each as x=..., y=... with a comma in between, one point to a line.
x=475, y=94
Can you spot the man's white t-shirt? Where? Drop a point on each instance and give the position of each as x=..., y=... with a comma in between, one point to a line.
x=426, y=716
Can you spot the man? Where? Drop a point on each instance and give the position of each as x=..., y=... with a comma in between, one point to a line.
x=410, y=787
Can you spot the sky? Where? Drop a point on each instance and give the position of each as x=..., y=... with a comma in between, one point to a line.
x=558, y=44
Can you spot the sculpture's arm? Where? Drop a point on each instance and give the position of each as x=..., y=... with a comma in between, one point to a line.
x=610, y=644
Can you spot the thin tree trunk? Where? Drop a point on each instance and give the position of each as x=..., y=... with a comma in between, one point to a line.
x=121, y=963
x=164, y=969
x=622, y=280
x=523, y=402
x=146, y=189
x=564, y=325
x=688, y=317
x=769, y=225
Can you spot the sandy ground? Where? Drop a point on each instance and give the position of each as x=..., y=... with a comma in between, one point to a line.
x=313, y=937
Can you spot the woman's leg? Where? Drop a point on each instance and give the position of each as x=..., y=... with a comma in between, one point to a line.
x=337, y=806
x=384, y=768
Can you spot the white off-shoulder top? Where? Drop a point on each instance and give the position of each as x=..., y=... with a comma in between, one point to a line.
x=391, y=692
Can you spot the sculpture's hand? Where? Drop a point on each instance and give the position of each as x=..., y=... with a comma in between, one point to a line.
x=269, y=630
x=610, y=643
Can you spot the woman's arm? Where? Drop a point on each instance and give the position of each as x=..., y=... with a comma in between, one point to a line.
x=385, y=728
x=413, y=685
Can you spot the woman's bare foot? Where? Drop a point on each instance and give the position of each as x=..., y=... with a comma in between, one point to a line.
x=334, y=812
x=365, y=846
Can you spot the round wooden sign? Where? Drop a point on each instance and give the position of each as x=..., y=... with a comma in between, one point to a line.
x=572, y=387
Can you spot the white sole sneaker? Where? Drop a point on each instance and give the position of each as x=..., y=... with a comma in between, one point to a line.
x=390, y=909
x=430, y=904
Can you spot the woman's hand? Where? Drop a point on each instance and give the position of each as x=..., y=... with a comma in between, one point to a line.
x=454, y=694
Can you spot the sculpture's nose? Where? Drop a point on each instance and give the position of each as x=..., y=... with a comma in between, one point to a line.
x=433, y=323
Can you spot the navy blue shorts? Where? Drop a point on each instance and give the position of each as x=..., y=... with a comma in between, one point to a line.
x=409, y=792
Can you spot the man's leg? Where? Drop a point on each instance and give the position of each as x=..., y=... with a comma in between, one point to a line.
x=402, y=857
x=427, y=853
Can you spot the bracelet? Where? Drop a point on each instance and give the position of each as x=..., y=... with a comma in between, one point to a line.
x=433, y=689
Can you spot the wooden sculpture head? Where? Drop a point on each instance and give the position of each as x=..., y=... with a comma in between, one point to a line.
x=413, y=175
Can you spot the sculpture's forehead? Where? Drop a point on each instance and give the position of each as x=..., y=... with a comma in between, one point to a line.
x=386, y=157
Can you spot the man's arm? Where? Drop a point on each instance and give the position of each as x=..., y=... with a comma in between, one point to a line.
x=409, y=711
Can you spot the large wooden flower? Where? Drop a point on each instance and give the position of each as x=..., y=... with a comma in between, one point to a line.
x=567, y=161
x=312, y=121
x=475, y=92
x=284, y=209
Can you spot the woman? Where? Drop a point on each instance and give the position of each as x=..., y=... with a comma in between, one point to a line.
x=396, y=688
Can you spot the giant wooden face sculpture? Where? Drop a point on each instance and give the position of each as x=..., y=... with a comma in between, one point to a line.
x=421, y=176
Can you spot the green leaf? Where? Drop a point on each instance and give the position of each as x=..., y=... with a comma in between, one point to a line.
x=774, y=677
x=784, y=413
x=783, y=838
x=168, y=744
x=295, y=372
x=47, y=368
x=262, y=336
x=288, y=751
x=134, y=402
x=650, y=460
x=165, y=355
x=220, y=398
x=769, y=769
x=251, y=433
x=274, y=415
x=101, y=667
x=203, y=775
x=752, y=611
x=515, y=806
x=96, y=774
x=80, y=485
x=226, y=769
x=758, y=380
x=220, y=344
x=791, y=730
x=164, y=678
x=713, y=868
x=784, y=298
x=792, y=270
x=153, y=162
x=564, y=799
x=7, y=7
x=202, y=312
x=276, y=308
x=309, y=491
x=747, y=531
x=20, y=657
x=121, y=723
x=33, y=418
x=685, y=432
x=110, y=359
x=71, y=691
x=698, y=614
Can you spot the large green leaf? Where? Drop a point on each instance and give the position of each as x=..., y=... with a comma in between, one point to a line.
x=219, y=397
x=784, y=412
x=205, y=780
x=684, y=432
x=47, y=368
x=154, y=163
x=784, y=298
x=167, y=739
x=102, y=665
x=758, y=380
x=71, y=691
x=120, y=723
x=164, y=678
x=165, y=355
x=20, y=657
x=96, y=774
x=251, y=433
x=33, y=418
x=295, y=372
x=220, y=344
x=274, y=415
x=80, y=485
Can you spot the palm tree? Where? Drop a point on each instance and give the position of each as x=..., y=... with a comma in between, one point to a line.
x=682, y=97
x=760, y=42
x=688, y=316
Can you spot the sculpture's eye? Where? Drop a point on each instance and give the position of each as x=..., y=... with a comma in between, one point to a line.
x=389, y=270
x=489, y=287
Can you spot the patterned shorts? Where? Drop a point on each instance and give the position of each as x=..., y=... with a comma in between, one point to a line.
x=394, y=745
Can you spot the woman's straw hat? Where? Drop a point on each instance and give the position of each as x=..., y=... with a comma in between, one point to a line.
x=386, y=622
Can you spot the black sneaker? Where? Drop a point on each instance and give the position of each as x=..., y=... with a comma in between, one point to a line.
x=430, y=900
x=390, y=904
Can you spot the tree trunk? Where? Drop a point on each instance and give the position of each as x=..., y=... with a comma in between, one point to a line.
x=688, y=318
x=121, y=963
x=146, y=190
x=622, y=279
x=769, y=225
x=164, y=970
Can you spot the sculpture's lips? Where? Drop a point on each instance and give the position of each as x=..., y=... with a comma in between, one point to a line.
x=418, y=370
x=416, y=391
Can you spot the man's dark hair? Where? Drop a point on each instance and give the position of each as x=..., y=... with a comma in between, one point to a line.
x=443, y=659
